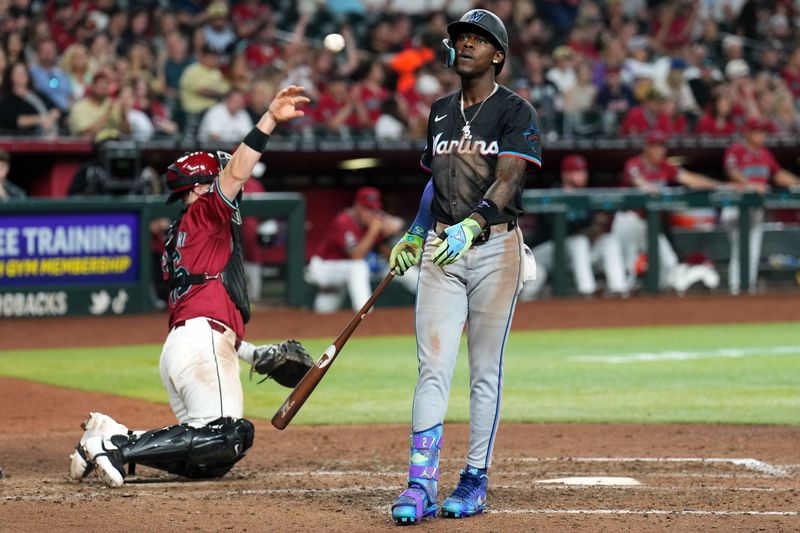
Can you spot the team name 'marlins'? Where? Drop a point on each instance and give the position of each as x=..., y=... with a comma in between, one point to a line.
x=464, y=146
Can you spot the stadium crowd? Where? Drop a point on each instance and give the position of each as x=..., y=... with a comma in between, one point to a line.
x=207, y=69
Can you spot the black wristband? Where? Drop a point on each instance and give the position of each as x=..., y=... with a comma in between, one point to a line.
x=257, y=140
x=487, y=209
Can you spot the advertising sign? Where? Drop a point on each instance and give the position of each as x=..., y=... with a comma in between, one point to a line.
x=68, y=249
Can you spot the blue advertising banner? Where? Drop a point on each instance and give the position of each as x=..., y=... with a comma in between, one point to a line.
x=61, y=249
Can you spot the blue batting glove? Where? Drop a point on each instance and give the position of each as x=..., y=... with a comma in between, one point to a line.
x=454, y=241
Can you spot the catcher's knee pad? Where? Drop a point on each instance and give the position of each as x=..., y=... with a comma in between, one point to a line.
x=209, y=451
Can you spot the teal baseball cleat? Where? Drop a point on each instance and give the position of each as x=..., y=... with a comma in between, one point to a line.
x=469, y=498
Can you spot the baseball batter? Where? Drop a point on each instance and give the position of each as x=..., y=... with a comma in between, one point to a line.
x=750, y=165
x=208, y=310
x=481, y=141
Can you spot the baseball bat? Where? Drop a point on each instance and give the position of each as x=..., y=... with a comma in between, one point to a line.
x=303, y=390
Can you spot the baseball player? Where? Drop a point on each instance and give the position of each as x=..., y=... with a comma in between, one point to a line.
x=340, y=261
x=481, y=141
x=208, y=310
x=750, y=165
x=651, y=172
x=589, y=242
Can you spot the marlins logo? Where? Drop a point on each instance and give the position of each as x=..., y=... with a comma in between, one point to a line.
x=532, y=137
x=476, y=16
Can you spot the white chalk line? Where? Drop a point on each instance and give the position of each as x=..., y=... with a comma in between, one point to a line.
x=674, y=355
x=748, y=463
x=684, y=512
x=134, y=490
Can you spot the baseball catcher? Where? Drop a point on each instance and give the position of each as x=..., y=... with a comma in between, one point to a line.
x=203, y=266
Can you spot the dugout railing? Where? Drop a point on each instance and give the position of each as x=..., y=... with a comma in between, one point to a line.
x=558, y=203
x=53, y=261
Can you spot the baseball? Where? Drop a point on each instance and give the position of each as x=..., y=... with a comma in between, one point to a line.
x=333, y=42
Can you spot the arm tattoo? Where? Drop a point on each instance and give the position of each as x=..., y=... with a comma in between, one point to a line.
x=509, y=178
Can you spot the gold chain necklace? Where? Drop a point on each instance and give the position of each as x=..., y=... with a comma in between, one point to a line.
x=465, y=130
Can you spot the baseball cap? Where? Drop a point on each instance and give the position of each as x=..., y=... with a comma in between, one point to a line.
x=736, y=68
x=573, y=162
x=217, y=9
x=756, y=124
x=656, y=137
x=369, y=197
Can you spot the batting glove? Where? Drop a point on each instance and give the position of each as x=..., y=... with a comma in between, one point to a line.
x=406, y=253
x=454, y=241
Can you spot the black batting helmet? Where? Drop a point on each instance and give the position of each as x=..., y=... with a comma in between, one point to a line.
x=484, y=22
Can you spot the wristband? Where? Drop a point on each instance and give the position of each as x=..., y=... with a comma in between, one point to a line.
x=257, y=140
x=488, y=210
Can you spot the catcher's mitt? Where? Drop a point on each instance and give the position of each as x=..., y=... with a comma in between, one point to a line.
x=286, y=362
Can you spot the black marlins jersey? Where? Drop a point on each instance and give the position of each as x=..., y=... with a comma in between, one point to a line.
x=463, y=169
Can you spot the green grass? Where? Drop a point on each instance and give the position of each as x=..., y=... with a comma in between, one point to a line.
x=373, y=379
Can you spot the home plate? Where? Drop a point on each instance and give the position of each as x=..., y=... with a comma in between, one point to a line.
x=607, y=481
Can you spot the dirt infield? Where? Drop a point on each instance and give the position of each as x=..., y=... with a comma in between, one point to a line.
x=691, y=477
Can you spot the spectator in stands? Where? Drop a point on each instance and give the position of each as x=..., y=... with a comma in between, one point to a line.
x=75, y=63
x=718, y=120
x=742, y=86
x=647, y=116
x=704, y=83
x=217, y=29
x=562, y=74
x=339, y=110
x=97, y=114
x=418, y=103
x=249, y=16
x=144, y=101
x=614, y=100
x=339, y=264
x=226, y=121
x=391, y=123
x=675, y=88
x=672, y=24
x=8, y=191
x=171, y=65
x=14, y=46
x=23, y=111
x=47, y=77
x=370, y=90
x=580, y=117
x=202, y=85
x=588, y=242
x=258, y=98
x=638, y=64
x=136, y=31
x=751, y=166
x=238, y=74
x=791, y=72
x=651, y=172
x=263, y=51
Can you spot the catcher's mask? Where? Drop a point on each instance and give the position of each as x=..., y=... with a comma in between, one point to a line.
x=477, y=21
x=194, y=168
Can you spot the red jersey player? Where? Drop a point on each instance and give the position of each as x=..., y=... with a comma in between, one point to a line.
x=750, y=165
x=208, y=309
x=339, y=263
x=651, y=172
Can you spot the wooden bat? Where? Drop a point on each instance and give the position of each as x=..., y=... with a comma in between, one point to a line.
x=303, y=390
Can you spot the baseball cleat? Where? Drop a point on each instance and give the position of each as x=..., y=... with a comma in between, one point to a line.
x=412, y=506
x=106, y=460
x=97, y=424
x=469, y=498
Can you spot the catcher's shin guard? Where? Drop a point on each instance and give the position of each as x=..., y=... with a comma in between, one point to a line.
x=419, y=499
x=205, y=452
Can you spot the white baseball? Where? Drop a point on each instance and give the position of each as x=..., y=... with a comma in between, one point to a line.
x=333, y=42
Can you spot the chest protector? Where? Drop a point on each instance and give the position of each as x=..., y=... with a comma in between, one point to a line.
x=232, y=276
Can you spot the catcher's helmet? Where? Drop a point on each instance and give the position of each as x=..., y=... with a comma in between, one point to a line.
x=192, y=169
x=484, y=22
